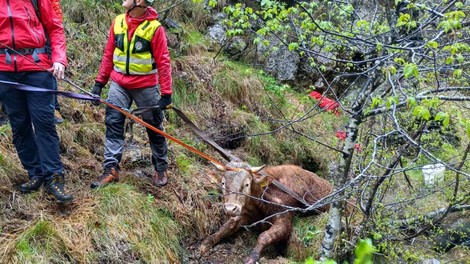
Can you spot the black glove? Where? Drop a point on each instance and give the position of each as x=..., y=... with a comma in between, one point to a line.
x=165, y=102
x=96, y=90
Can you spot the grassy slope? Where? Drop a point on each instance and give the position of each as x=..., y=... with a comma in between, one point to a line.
x=133, y=221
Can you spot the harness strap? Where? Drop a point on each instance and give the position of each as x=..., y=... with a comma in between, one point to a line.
x=26, y=51
x=7, y=56
x=289, y=192
x=28, y=88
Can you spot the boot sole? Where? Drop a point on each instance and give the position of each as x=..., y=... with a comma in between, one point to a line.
x=92, y=186
x=60, y=201
x=27, y=191
x=64, y=202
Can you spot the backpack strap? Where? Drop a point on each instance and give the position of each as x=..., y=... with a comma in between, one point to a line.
x=36, y=7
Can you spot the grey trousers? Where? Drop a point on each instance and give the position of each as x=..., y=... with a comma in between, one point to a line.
x=114, y=142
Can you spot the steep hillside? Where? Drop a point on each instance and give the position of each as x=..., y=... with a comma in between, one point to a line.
x=132, y=221
x=262, y=121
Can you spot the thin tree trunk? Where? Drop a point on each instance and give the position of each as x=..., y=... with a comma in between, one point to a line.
x=333, y=227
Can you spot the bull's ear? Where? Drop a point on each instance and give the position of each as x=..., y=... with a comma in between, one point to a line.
x=260, y=178
x=218, y=166
x=255, y=170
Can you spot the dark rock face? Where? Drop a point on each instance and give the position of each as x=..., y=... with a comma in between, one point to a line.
x=455, y=234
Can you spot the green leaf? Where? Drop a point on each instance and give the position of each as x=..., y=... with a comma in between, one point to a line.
x=377, y=236
x=450, y=60
x=376, y=101
x=432, y=44
x=445, y=25
x=444, y=117
x=411, y=101
x=391, y=101
x=403, y=20
x=399, y=61
x=293, y=46
x=212, y=3
x=422, y=112
x=410, y=69
x=364, y=252
x=310, y=261
x=432, y=102
x=390, y=69
x=458, y=73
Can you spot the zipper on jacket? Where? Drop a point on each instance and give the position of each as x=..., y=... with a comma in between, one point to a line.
x=30, y=26
x=128, y=55
x=12, y=35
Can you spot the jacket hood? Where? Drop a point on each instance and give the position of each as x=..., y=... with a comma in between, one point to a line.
x=150, y=14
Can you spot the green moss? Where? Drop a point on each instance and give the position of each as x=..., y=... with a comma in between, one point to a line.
x=183, y=164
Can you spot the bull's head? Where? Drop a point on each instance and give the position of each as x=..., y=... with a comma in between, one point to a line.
x=237, y=184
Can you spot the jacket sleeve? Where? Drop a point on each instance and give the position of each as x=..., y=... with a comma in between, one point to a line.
x=54, y=28
x=162, y=59
x=106, y=66
x=57, y=9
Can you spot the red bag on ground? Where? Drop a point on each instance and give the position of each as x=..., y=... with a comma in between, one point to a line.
x=326, y=103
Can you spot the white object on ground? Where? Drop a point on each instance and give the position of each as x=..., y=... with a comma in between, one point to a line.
x=433, y=173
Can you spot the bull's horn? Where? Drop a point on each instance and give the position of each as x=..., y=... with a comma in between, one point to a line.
x=257, y=169
x=218, y=166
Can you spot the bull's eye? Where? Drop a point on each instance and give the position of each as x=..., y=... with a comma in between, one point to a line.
x=247, y=185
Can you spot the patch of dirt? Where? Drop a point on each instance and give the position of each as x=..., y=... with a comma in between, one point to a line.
x=232, y=250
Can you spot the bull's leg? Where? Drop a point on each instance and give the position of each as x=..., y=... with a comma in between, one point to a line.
x=279, y=231
x=230, y=227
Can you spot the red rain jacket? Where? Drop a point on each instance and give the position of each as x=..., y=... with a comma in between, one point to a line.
x=160, y=53
x=20, y=28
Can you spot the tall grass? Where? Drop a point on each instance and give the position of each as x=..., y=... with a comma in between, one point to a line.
x=129, y=220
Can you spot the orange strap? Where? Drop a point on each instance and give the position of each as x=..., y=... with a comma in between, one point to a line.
x=156, y=130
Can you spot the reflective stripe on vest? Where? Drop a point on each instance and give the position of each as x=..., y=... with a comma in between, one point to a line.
x=134, y=57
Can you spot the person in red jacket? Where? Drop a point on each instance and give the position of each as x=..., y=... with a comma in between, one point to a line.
x=137, y=61
x=24, y=60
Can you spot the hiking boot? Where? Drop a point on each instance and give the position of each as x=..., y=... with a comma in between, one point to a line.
x=160, y=179
x=109, y=175
x=58, y=117
x=56, y=188
x=34, y=184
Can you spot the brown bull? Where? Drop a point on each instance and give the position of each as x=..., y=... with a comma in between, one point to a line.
x=250, y=195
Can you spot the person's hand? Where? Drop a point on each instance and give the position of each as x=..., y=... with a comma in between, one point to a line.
x=96, y=91
x=58, y=70
x=165, y=102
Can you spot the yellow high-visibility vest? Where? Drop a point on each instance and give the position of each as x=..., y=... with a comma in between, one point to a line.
x=134, y=57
